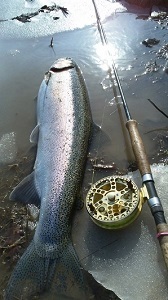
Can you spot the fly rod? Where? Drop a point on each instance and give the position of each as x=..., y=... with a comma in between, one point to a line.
x=141, y=159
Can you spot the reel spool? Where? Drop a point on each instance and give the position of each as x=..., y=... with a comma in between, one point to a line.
x=114, y=202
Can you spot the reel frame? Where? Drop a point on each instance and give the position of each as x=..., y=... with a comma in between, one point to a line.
x=114, y=202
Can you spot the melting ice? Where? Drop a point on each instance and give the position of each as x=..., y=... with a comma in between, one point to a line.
x=43, y=24
x=129, y=261
x=7, y=148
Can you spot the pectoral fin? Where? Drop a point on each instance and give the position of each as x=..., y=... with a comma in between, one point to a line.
x=26, y=192
x=34, y=135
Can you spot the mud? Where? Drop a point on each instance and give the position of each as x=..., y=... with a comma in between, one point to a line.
x=15, y=219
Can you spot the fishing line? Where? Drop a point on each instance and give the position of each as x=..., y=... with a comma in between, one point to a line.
x=98, y=143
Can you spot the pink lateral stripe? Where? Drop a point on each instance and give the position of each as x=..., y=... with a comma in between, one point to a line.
x=162, y=234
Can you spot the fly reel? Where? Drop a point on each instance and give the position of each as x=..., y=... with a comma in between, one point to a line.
x=114, y=202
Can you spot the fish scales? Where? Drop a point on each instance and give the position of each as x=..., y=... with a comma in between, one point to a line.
x=62, y=133
x=70, y=125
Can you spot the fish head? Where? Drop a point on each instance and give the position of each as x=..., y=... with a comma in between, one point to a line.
x=61, y=64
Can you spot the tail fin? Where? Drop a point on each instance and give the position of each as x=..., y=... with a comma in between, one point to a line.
x=34, y=275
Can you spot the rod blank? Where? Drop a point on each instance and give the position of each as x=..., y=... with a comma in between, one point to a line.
x=140, y=155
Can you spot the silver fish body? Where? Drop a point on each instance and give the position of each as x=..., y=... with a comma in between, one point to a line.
x=64, y=120
x=62, y=133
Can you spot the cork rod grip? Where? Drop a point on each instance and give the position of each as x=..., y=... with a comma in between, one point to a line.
x=138, y=147
x=163, y=240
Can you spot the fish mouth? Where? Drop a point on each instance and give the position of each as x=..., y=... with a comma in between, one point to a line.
x=62, y=64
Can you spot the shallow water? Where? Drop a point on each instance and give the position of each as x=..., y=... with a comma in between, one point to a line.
x=26, y=56
x=24, y=62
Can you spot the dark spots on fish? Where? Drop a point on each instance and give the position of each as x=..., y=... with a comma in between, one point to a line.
x=57, y=70
x=51, y=247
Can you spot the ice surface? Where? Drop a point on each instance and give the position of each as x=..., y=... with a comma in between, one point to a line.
x=80, y=15
x=7, y=148
x=128, y=261
x=37, y=3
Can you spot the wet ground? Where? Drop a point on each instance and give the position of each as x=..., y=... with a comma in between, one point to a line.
x=26, y=55
x=16, y=222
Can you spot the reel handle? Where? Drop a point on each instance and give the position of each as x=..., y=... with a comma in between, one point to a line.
x=138, y=147
x=162, y=230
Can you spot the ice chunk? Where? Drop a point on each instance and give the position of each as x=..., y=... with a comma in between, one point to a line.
x=80, y=15
x=8, y=148
x=129, y=261
x=37, y=3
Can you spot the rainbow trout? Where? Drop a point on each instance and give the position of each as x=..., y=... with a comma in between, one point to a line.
x=62, y=136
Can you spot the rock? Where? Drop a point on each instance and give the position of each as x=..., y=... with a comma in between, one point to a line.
x=150, y=42
x=148, y=3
